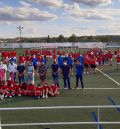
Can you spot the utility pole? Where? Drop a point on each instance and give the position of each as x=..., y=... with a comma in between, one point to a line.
x=20, y=28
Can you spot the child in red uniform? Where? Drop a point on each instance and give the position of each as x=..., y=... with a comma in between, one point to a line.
x=99, y=60
x=110, y=55
x=50, y=91
x=106, y=58
x=55, y=91
x=45, y=91
x=24, y=89
x=118, y=61
x=93, y=64
x=86, y=64
x=28, y=58
x=22, y=59
x=17, y=89
x=10, y=81
x=38, y=92
x=118, y=51
x=115, y=53
x=30, y=90
x=1, y=90
x=5, y=90
x=39, y=58
x=27, y=52
x=5, y=55
x=12, y=90
x=54, y=56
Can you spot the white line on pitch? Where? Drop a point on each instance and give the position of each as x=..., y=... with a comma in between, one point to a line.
x=94, y=89
x=60, y=123
x=109, y=77
x=102, y=88
x=0, y=123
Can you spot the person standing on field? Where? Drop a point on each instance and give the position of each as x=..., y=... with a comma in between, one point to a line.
x=66, y=71
x=3, y=70
x=55, y=69
x=21, y=72
x=12, y=68
x=42, y=72
x=30, y=73
x=79, y=74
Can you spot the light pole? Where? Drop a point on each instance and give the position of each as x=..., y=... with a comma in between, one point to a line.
x=20, y=31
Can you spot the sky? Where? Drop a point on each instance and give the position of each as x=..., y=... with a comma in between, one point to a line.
x=40, y=18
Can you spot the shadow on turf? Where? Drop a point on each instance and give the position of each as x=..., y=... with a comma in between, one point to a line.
x=14, y=100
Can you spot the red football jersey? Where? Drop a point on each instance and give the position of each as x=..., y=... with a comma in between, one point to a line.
x=118, y=59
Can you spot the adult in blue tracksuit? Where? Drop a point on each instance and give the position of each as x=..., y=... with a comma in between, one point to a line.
x=44, y=60
x=70, y=62
x=66, y=70
x=79, y=74
x=34, y=62
x=60, y=60
x=81, y=59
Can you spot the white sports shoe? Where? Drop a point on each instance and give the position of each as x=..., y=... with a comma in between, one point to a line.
x=19, y=95
x=46, y=96
x=6, y=96
x=43, y=97
x=2, y=97
x=10, y=96
x=65, y=88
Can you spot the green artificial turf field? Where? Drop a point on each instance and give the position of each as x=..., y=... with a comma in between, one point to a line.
x=88, y=97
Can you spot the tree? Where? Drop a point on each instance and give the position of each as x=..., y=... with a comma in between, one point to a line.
x=105, y=39
x=48, y=39
x=60, y=38
x=73, y=38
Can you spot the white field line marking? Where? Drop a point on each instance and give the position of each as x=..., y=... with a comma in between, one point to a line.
x=0, y=123
x=109, y=77
x=61, y=123
x=95, y=88
x=102, y=88
x=59, y=107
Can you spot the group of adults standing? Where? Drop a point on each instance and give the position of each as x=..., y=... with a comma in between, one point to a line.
x=41, y=68
x=67, y=71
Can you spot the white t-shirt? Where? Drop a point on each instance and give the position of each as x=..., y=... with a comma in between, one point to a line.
x=3, y=66
x=12, y=68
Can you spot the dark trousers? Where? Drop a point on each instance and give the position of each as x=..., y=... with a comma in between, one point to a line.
x=13, y=76
x=21, y=79
x=55, y=79
x=66, y=80
x=81, y=80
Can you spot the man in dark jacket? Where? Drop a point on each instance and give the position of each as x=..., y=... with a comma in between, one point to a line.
x=66, y=70
x=55, y=69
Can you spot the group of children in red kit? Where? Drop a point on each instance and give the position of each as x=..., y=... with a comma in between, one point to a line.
x=9, y=89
